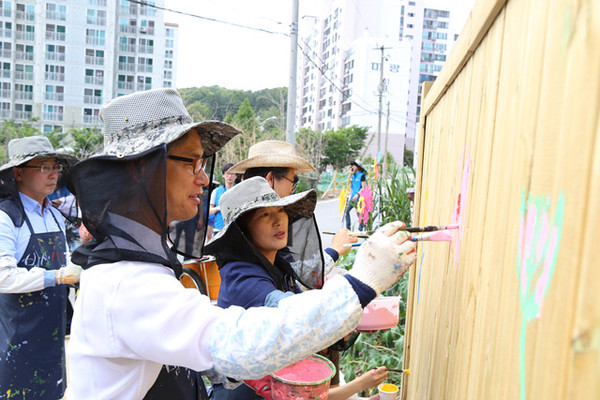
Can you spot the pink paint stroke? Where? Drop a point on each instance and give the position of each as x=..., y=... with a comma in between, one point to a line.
x=459, y=212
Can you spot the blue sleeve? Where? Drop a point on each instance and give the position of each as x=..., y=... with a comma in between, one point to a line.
x=50, y=278
x=273, y=298
x=244, y=284
x=364, y=292
x=332, y=253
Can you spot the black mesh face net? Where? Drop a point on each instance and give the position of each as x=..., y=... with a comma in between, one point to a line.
x=305, y=253
x=187, y=237
x=123, y=205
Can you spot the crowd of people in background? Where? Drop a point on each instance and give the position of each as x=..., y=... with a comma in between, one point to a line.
x=142, y=206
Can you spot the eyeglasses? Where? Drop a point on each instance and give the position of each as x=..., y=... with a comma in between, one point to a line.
x=46, y=169
x=198, y=164
x=294, y=182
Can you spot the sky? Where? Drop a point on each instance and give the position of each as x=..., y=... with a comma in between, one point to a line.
x=214, y=53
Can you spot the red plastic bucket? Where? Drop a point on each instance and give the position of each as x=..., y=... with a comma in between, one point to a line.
x=306, y=379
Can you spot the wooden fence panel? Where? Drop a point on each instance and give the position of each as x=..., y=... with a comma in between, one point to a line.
x=510, y=150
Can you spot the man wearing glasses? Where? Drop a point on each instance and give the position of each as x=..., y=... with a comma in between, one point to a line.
x=33, y=271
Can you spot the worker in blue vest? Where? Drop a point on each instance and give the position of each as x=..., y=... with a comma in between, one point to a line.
x=215, y=197
x=33, y=272
x=358, y=180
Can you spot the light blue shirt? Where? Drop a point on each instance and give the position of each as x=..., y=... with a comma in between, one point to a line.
x=13, y=240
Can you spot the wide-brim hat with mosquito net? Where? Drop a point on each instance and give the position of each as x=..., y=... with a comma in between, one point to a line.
x=272, y=153
x=122, y=188
x=230, y=244
x=21, y=151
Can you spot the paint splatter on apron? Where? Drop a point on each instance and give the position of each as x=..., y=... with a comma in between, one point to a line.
x=32, y=327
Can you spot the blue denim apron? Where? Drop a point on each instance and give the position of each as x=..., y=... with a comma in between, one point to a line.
x=32, y=327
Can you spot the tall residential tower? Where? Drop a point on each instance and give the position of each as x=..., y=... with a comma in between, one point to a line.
x=61, y=60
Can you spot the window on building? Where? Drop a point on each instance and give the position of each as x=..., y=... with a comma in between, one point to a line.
x=95, y=37
x=6, y=8
x=56, y=12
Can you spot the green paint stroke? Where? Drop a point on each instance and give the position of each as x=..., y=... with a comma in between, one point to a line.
x=536, y=260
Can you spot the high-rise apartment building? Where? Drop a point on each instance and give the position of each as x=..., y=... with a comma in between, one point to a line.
x=344, y=76
x=61, y=60
x=426, y=25
x=339, y=78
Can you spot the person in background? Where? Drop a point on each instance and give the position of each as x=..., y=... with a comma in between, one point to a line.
x=278, y=163
x=357, y=177
x=33, y=272
x=215, y=197
x=133, y=316
x=253, y=272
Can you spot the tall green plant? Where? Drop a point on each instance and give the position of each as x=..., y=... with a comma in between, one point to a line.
x=372, y=350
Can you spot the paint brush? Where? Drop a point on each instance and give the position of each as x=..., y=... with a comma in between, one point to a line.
x=402, y=371
x=439, y=236
x=352, y=244
x=430, y=228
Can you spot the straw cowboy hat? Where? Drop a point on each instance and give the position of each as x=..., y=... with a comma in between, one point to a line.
x=26, y=149
x=141, y=121
x=272, y=153
x=254, y=193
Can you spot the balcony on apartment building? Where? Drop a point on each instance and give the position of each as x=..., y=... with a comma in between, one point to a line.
x=52, y=116
x=95, y=41
x=57, y=36
x=25, y=55
x=23, y=114
x=94, y=80
x=24, y=75
x=23, y=95
x=92, y=99
x=52, y=96
x=54, y=76
x=56, y=15
x=146, y=49
x=144, y=68
x=26, y=15
x=126, y=67
x=129, y=48
x=22, y=35
x=93, y=60
x=91, y=119
x=50, y=55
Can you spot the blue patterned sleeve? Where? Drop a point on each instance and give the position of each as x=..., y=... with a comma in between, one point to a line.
x=249, y=344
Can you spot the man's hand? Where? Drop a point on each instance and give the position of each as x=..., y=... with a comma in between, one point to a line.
x=68, y=275
x=384, y=257
x=341, y=238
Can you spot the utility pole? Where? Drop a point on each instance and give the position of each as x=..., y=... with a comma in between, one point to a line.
x=291, y=111
x=380, y=89
x=387, y=129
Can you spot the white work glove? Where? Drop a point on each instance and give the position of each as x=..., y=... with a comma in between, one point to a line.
x=68, y=274
x=384, y=257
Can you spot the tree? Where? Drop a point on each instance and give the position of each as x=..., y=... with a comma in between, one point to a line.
x=10, y=129
x=343, y=145
x=199, y=111
x=309, y=144
x=408, y=157
x=86, y=141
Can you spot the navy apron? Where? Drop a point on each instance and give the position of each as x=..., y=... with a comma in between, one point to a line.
x=32, y=327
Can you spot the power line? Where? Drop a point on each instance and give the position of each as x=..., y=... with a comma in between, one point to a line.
x=144, y=3
x=330, y=81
